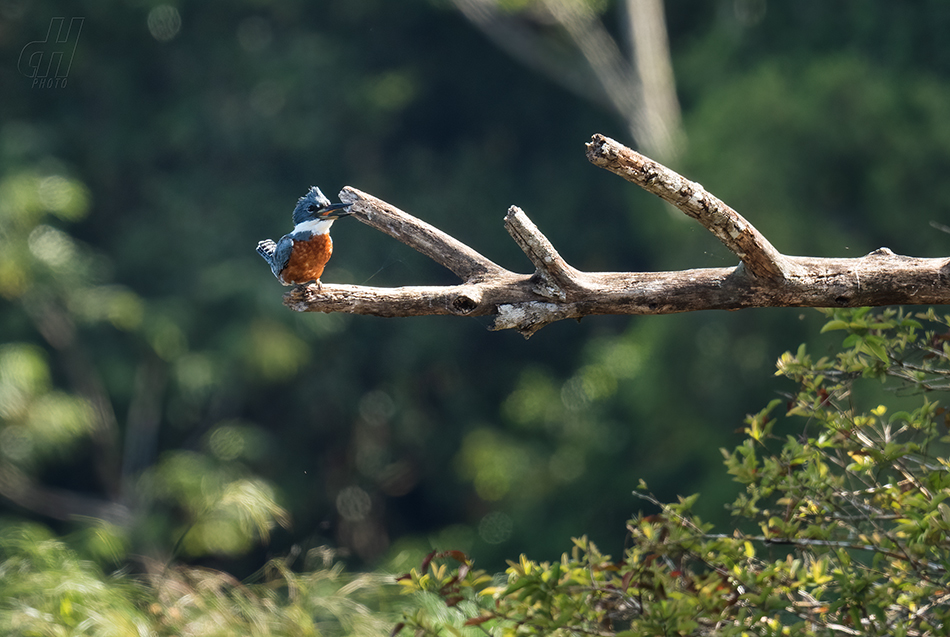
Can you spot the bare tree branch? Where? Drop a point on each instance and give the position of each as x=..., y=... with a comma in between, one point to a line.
x=555, y=291
x=737, y=234
x=418, y=235
x=553, y=273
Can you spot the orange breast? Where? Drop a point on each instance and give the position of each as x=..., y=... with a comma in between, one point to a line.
x=307, y=259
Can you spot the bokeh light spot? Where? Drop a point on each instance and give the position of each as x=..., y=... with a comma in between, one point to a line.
x=376, y=407
x=164, y=22
x=274, y=352
x=227, y=443
x=16, y=443
x=567, y=464
x=534, y=402
x=492, y=463
x=64, y=197
x=167, y=339
x=51, y=246
x=353, y=503
x=495, y=528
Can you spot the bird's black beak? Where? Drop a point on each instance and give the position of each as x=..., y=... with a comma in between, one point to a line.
x=335, y=210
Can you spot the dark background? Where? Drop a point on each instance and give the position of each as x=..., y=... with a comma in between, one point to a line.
x=131, y=200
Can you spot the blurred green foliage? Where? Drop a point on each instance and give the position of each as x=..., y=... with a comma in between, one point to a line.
x=157, y=399
x=49, y=589
x=841, y=526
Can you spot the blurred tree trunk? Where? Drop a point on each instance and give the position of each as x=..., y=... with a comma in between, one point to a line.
x=661, y=122
x=639, y=86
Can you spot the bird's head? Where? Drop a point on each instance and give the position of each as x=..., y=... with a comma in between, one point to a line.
x=314, y=206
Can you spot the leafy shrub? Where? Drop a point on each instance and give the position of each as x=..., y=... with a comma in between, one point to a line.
x=842, y=526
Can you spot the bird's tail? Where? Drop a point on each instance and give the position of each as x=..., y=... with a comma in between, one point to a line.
x=266, y=249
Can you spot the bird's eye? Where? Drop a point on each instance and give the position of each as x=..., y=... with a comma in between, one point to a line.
x=312, y=208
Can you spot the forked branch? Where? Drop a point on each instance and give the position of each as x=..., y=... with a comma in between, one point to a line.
x=527, y=302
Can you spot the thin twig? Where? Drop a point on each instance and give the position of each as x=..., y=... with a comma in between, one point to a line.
x=759, y=256
x=557, y=275
x=419, y=235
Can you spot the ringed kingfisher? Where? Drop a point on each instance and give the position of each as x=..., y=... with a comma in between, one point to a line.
x=299, y=257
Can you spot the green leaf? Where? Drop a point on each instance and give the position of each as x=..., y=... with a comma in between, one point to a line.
x=875, y=345
x=834, y=325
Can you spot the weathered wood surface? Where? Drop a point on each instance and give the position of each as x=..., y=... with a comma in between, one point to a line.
x=555, y=291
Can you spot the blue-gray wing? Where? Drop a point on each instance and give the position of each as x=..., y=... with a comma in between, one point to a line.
x=276, y=254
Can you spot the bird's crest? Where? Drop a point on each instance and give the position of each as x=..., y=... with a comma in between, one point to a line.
x=309, y=204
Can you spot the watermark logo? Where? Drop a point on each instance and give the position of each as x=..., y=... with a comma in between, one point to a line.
x=47, y=61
